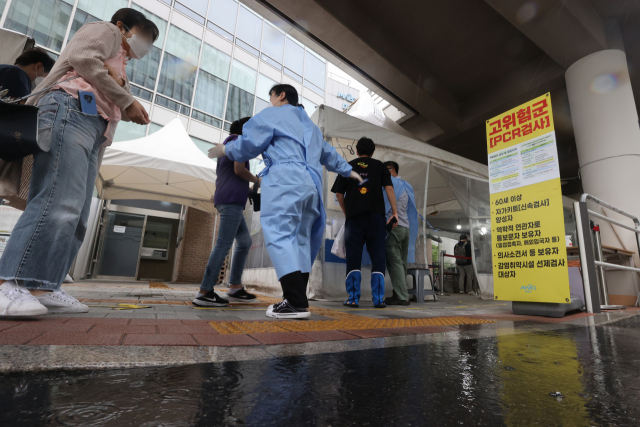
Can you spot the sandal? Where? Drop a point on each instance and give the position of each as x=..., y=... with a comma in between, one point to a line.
x=351, y=304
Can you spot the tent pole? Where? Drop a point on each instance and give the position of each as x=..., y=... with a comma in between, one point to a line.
x=424, y=215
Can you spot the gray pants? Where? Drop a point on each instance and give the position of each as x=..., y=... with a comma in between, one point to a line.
x=466, y=271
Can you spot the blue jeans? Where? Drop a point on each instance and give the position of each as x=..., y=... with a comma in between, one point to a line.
x=48, y=235
x=232, y=226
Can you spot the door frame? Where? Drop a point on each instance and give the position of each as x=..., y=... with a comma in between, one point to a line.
x=102, y=235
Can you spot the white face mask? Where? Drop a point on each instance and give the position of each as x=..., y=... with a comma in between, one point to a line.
x=37, y=81
x=138, y=48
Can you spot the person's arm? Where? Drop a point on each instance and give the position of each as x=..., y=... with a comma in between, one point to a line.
x=243, y=173
x=391, y=195
x=256, y=137
x=333, y=161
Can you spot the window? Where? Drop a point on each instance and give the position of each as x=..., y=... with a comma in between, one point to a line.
x=212, y=81
x=309, y=106
x=272, y=46
x=3, y=3
x=167, y=1
x=203, y=145
x=210, y=94
x=264, y=85
x=260, y=105
x=314, y=73
x=126, y=131
x=183, y=45
x=198, y=17
x=239, y=104
x=44, y=20
x=243, y=77
x=222, y=17
x=92, y=11
x=160, y=23
x=145, y=71
x=172, y=105
x=205, y=118
x=198, y=6
x=141, y=93
x=215, y=62
x=241, y=90
x=179, y=65
x=249, y=31
x=293, y=59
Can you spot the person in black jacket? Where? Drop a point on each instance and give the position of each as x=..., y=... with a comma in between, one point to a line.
x=465, y=266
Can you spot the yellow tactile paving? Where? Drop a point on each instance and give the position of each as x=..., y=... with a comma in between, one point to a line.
x=158, y=285
x=352, y=322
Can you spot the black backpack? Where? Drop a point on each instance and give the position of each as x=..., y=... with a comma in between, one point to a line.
x=460, y=250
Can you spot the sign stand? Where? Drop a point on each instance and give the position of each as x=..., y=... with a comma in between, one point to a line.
x=529, y=252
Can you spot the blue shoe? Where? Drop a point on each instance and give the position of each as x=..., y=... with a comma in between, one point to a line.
x=354, y=278
x=377, y=289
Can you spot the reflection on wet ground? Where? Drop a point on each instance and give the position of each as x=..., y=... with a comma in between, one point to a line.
x=504, y=380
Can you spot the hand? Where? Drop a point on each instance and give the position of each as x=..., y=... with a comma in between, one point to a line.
x=114, y=75
x=390, y=219
x=216, y=151
x=137, y=114
x=357, y=176
x=257, y=184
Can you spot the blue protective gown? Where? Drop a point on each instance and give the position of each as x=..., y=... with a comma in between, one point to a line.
x=292, y=213
x=399, y=187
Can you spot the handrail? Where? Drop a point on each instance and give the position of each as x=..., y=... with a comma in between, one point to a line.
x=584, y=238
x=586, y=196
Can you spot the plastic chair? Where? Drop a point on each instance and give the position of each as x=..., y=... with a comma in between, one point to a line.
x=418, y=276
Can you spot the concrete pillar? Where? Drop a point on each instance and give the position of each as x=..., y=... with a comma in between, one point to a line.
x=605, y=122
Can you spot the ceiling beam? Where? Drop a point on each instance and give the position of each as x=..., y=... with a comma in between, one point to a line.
x=566, y=30
x=317, y=22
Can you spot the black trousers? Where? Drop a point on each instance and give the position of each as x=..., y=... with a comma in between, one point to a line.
x=294, y=288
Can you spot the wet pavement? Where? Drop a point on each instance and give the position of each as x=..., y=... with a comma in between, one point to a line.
x=483, y=375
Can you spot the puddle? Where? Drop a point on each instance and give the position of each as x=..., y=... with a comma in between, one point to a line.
x=576, y=377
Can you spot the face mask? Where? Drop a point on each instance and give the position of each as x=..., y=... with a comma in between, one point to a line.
x=138, y=48
x=37, y=81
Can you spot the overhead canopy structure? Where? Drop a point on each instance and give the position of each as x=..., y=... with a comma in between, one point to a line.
x=165, y=166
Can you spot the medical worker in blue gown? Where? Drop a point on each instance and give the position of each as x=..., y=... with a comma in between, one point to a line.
x=292, y=216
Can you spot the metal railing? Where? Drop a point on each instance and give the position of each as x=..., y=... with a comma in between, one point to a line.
x=587, y=259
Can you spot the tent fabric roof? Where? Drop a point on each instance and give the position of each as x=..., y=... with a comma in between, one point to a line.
x=165, y=166
x=336, y=124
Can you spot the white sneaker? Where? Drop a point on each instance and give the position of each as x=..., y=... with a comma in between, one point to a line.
x=17, y=301
x=61, y=302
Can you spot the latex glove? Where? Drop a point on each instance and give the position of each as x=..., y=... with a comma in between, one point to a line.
x=217, y=151
x=357, y=176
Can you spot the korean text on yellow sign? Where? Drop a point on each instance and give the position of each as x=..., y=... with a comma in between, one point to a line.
x=528, y=235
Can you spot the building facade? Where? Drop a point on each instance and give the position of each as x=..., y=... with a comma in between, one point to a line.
x=214, y=62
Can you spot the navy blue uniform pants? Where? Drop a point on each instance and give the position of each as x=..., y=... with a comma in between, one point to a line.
x=366, y=228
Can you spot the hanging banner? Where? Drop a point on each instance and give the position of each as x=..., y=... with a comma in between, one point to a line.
x=527, y=219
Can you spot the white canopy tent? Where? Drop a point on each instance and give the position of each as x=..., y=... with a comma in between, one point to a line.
x=165, y=166
x=442, y=182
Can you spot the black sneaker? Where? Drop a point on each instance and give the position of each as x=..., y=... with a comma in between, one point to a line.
x=210, y=299
x=381, y=305
x=284, y=310
x=241, y=296
x=394, y=300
